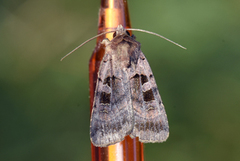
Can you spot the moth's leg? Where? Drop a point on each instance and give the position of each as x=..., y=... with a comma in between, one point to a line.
x=106, y=42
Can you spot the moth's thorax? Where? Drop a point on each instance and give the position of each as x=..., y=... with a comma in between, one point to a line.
x=123, y=48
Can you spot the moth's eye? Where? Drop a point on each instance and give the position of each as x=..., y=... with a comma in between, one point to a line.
x=128, y=33
x=114, y=34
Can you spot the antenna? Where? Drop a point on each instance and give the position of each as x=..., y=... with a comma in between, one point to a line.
x=152, y=33
x=120, y=28
x=85, y=43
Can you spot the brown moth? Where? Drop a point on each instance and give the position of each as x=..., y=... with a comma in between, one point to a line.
x=126, y=101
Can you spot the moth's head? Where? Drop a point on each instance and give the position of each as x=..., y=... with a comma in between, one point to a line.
x=120, y=31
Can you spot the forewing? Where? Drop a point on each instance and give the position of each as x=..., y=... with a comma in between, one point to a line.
x=112, y=116
x=151, y=124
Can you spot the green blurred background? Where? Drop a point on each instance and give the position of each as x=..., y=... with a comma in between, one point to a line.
x=44, y=103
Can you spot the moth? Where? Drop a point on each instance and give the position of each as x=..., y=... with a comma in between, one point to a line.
x=126, y=101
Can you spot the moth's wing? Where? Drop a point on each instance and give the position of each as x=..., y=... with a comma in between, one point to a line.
x=151, y=124
x=112, y=113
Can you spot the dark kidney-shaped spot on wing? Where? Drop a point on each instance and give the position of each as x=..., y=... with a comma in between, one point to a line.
x=105, y=98
x=148, y=95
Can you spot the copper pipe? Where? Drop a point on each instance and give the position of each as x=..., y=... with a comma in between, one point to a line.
x=111, y=14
